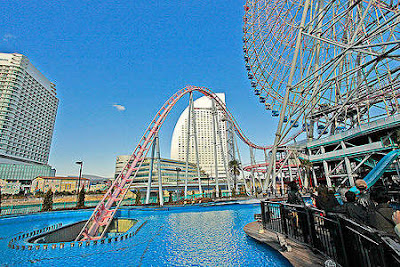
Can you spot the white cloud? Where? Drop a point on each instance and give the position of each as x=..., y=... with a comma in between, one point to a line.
x=8, y=37
x=119, y=107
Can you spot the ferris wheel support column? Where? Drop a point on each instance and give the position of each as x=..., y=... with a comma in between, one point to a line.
x=319, y=8
x=271, y=167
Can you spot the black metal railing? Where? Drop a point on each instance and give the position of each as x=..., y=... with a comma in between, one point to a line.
x=337, y=237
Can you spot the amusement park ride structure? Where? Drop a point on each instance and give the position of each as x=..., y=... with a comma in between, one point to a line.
x=97, y=225
x=329, y=68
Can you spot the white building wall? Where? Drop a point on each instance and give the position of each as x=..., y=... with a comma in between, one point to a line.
x=205, y=137
x=28, y=107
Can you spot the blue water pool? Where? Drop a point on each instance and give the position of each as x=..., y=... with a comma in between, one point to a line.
x=194, y=236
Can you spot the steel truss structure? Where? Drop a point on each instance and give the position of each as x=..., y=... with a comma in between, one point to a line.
x=326, y=66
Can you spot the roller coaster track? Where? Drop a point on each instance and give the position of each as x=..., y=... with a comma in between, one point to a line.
x=98, y=223
x=261, y=167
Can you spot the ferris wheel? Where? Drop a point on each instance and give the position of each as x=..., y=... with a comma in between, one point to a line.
x=325, y=66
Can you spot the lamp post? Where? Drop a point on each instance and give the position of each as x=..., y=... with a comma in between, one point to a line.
x=80, y=175
x=208, y=184
x=177, y=169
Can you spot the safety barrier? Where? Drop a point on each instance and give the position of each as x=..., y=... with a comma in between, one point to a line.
x=20, y=244
x=337, y=237
x=34, y=208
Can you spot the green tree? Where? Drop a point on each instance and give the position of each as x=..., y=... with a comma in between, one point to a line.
x=138, y=199
x=48, y=201
x=81, y=199
x=234, y=168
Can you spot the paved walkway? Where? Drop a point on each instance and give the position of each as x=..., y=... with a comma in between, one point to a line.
x=297, y=254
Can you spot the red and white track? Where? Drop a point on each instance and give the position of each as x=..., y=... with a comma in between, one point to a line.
x=262, y=167
x=99, y=221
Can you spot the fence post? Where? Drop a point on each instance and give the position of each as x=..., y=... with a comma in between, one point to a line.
x=263, y=213
x=346, y=263
x=311, y=228
x=283, y=219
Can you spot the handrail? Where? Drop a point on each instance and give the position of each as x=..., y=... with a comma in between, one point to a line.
x=345, y=241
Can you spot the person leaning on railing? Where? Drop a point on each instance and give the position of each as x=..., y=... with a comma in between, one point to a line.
x=352, y=209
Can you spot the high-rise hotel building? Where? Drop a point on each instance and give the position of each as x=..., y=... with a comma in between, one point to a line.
x=205, y=137
x=28, y=107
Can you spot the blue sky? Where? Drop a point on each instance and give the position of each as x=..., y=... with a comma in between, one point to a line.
x=135, y=54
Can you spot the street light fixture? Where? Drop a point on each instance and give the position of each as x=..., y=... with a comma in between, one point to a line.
x=177, y=169
x=80, y=175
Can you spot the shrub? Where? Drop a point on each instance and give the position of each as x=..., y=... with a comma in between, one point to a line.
x=48, y=201
x=138, y=197
x=81, y=199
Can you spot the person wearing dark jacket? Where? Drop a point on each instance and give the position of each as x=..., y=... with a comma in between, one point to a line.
x=364, y=198
x=383, y=212
x=326, y=199
x=352, y=209
x=294, y=196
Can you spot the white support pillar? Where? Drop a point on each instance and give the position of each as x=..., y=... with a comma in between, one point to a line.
x=246, y=188
x=160, y=190
x=290, y=172
x=348, y=166
x=313, y=171
x=188, y=146
x=214, y=112
x=223, y=155
x=252, y=162
x=196, y=147
x=150, y=172
x=326, y=169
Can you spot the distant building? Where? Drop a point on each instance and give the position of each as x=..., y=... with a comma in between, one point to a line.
x=205, y=137
x=11, y=188
x=59, y=184
x=169, y=171
x=28, y=107
x=99, y=187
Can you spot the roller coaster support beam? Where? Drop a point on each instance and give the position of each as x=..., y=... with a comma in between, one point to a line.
x=223, y=155
x=278, y=135
x=253, y=162
x=214, y=113
x=246, y=187
x=150, y=173
x=196, y=147
x=160, y=190
x=189, y=121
